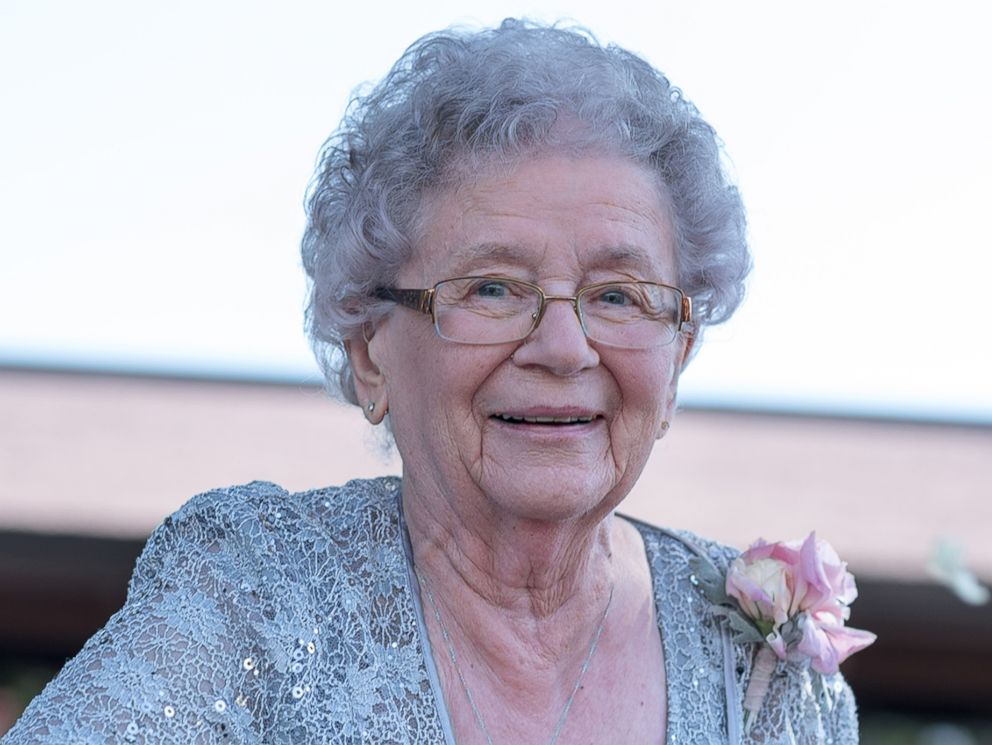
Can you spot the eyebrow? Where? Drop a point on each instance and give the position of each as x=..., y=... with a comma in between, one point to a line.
x=492, y=252
x=624, y=256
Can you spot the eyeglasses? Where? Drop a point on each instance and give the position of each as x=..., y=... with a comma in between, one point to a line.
x=497, y=310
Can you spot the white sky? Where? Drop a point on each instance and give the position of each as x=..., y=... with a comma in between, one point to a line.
x=153, y=158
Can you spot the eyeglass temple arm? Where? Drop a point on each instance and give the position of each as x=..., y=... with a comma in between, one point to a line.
x=687, y=325
x=420, y=300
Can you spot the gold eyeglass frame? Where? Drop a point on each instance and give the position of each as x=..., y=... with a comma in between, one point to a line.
x=423, y=302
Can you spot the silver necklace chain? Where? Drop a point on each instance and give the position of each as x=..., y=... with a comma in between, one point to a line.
x=468, y=693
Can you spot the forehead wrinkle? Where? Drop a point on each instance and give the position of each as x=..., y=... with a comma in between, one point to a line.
x=469, y=257
x=622, y=257
x=497, y=250
x=645, y=210
x=627, y=257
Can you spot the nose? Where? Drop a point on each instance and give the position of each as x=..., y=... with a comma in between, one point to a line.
x=558, y=343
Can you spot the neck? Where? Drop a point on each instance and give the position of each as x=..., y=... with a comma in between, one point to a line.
x=509, y=588
x=522, y=605
x=515, y=565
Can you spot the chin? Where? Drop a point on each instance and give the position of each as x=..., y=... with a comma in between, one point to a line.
x=553, y=495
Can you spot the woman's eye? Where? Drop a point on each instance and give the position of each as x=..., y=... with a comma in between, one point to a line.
x=614, y=297
x=492, y=289
x=617, y=297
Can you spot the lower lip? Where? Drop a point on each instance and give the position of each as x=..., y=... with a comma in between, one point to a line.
x=554, y=431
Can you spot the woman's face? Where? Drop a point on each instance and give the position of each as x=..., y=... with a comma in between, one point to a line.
x=562, y=223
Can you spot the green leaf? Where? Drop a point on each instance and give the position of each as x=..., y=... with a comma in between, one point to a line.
x=743, y=628
x=709, y=580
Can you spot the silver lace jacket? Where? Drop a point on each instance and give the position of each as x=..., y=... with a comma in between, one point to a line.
x=259, y=616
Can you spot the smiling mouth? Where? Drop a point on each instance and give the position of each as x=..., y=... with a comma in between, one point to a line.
x=563, y=421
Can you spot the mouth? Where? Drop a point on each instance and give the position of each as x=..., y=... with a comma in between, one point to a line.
x=554, y=421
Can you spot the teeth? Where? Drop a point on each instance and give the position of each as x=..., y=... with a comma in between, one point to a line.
x=546, y=419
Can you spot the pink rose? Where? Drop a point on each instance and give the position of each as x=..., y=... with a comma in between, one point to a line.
x=827, y=586
x=763, y=587
x=828, y=642
x=775, y=583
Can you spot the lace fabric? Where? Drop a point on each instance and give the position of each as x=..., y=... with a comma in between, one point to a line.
x=256, y=616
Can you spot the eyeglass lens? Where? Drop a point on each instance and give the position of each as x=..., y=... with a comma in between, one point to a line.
x=493, y=310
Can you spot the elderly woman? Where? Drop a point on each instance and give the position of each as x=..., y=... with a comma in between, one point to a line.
x=514, y=243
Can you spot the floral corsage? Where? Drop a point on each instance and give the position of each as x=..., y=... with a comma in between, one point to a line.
x=790, y=597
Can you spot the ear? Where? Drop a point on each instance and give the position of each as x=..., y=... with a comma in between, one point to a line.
x=370, y=380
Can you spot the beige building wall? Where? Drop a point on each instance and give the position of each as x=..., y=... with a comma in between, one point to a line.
x=113, y=455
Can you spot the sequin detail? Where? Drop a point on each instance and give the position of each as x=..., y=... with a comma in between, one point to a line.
x=256, y=616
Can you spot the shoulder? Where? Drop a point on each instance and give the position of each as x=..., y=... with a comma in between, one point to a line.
x=235, y=600
x=263, y=521
x=800, y=700
x=264, y=505
x=674, y=544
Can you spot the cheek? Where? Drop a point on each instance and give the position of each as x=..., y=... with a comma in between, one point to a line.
x=651, y=383
x=648, y=392
x=407, y=366
x=434, y=384
x=458, y=380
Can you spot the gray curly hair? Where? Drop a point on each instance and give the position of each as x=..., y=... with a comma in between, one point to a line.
x=458, y=96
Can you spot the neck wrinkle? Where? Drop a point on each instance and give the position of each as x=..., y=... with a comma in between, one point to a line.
x=518, y=596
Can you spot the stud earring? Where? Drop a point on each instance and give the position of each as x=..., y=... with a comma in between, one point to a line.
x=371, y=406
x=664, y=426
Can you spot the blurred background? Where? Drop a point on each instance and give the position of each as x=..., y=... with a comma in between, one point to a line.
x=153, y=160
